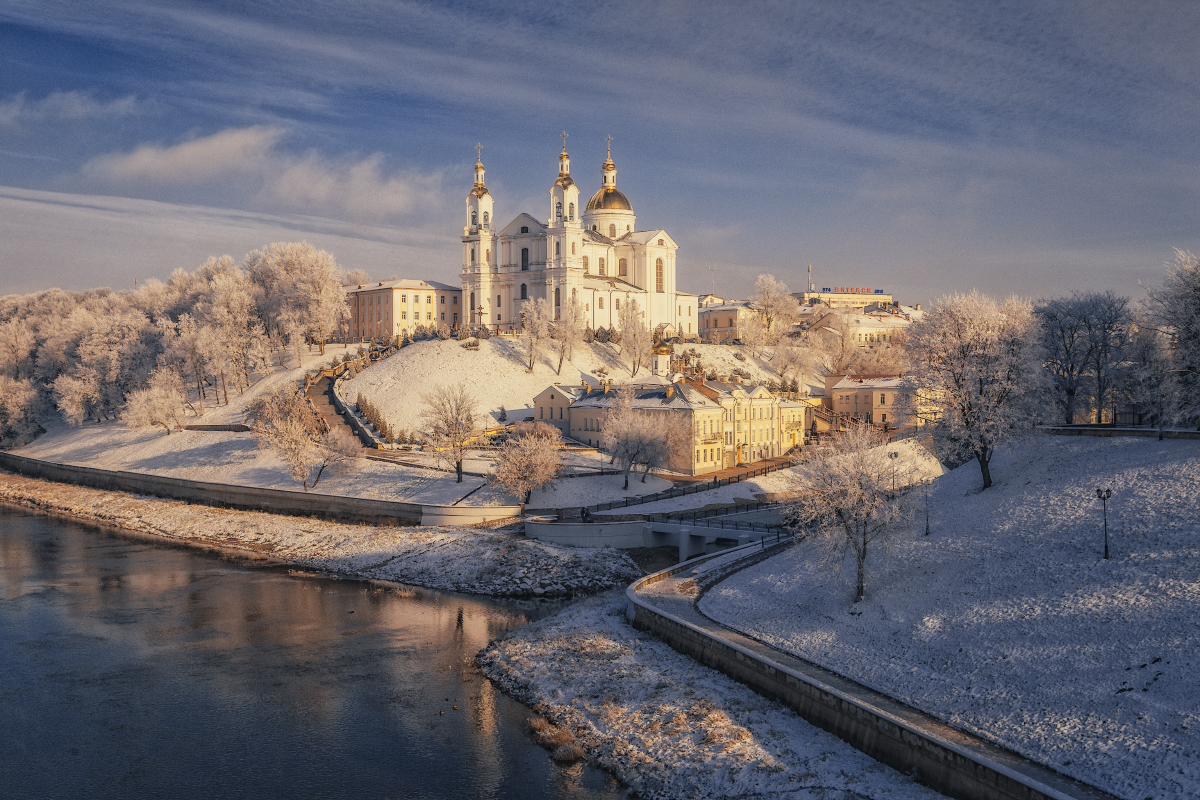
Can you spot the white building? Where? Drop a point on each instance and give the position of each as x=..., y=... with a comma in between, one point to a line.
x=591, y=254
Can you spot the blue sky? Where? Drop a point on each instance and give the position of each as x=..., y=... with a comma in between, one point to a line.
x=921, y=147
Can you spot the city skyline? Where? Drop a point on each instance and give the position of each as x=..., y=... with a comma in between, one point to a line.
x=927, y=149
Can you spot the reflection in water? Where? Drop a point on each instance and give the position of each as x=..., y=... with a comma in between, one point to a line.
x=130, y=668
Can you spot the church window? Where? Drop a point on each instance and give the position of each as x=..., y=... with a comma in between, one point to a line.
x=497, y=301
x=472, y=255
x=658, y=275
x=485, y=221
x=524, y=259
x=612, y=231
x=558, y=210
x=524, y=292
x=628, y=228
x=623, y=267
x=585, y=263
x=571, y=212
x=572, y=248
x=660, y=242
x=472, y=300
x=524, y=229
x=600, y=303
x=558, y=248
x=474, y=219
x=601, y=266
x=556, y=300
x=487, y=256
x=595, y=227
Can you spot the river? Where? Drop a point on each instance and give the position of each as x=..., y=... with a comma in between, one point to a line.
x=133, y=668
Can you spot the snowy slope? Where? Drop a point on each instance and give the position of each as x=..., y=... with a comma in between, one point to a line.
x=497, y=374
x=1007, y=622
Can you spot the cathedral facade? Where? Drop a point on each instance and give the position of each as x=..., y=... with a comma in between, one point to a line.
x=591, y=254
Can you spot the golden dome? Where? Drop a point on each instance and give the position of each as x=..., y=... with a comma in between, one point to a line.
x=609, y=198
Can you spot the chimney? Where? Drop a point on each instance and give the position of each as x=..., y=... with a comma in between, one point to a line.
x=605, y=388
x=670, y=391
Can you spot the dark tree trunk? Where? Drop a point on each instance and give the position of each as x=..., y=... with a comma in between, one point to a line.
x=984, y=468
x=458, y=470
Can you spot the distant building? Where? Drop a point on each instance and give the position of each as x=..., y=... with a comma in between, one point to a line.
x=710, y=299
x=725, y=322
x=844, y=296
x=385, y=309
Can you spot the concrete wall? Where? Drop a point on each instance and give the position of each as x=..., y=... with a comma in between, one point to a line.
x=954, y=763
x=250, y=498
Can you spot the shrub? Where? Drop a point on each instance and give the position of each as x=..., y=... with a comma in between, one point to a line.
x=443, y=332
x=602, y=334
x=739, y=356
x=470, y=344
x=589, y=335
x=484, y=333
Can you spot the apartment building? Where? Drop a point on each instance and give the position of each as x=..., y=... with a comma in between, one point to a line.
x=385, y=309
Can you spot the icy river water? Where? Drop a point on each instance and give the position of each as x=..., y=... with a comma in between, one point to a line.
x=130, y=668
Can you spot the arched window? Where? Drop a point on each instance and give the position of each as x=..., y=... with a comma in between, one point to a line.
x=601, y=266
x=524, y=229
x=585, y=263
x=658, y=275
x=623, y=267
x=474, y=218
x=524, y=292
x=558, y=248
x=558, y=210
x=497, y=301
x=571, y=212
x=612, y=231
x=472, y=255
x=595, y=227
x=525, y=258
x=485, y=219
x=472, y=301
x=572, y=248
x=574, y=296
x=628, y=228
x=556, y=298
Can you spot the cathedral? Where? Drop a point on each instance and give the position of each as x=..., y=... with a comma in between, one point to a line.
x=592, y=254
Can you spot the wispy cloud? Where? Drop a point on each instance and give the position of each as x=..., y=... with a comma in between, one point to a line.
x=55, y=106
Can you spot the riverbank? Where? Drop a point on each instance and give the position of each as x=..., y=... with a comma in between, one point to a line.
x=472, y=560
x=668, y=727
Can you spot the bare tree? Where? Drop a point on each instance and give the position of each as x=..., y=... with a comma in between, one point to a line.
x=833, y=350
x=847, y=502
x=282, y=421
x=1106, y=320
x=1174, y=310
x=636, y=338
x=529, y=459
x=647, y=438
x=450, y=422
x=977, y=377
x=568, y=332
x=1065, y=342
x=355, y=277
x=537, y=320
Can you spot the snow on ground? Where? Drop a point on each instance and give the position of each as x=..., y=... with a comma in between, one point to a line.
x=497, y=374
x=1007, y=622
x=669, y=727
x=571, y=492
x=472, y=560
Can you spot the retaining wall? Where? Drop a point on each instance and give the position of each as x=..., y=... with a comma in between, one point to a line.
x=950, y=761
x=251, y=498
x=1107, y=432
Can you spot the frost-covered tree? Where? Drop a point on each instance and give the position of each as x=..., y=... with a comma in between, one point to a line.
x=299, y=290
x=283, y=422
x=636, y=338
x=529, y=459
x=156, y=405
x=976, y=378
x=778, y=309
x=450, y=421
x=567, y=332
x=536, y=320
x=16, y=348
x=792, y=362
x=355, y=277
x=638, y=437
x=17, y=397
x=847, y=503
x=1174, y=310
x=1107, y=324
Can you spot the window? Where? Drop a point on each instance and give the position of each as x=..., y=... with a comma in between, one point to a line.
x=601, y=266
x=474, y=219
x=623, y=267
x=497, y=301
x=524, y=292
x=472, y=300
x=558, y=211
x=429, y=316
x=571, y=212
x=487, y=255
x=689, y=311
x=525, y=259
x=660, y=242
x=883, y=400
x=572, y=248
x=556, y=298
x=612, y=231
x=627, y=229
x=403, y=298
x=485, y=221
x=658, y=275
x=429, y=299
x=443, y=316
x=558, y=248
x=585, y=263
x=403, y=315
x=617, y=304
x=524, y=229
x=600, y=303
x=442, y=299
x=454, y=300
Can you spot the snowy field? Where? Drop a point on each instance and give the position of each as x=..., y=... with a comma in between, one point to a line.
x=497, y=374
x=669, y=727
x=473, y=560
x=1007, y=622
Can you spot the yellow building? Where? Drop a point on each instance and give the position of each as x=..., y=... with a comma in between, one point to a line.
x=869, y=398
x=385, y=309
x=845, y=296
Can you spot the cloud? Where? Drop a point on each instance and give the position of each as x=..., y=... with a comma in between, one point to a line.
x=196, y=161
x=271, y=178
x=63, y=106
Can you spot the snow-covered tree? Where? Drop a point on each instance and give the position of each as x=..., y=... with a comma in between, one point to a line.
x=16, y=348
x=567, y=332
x=283, y=422
x=636, y=338
x=536, y=320
x=156, y=405
x=17, y=397
x=778, y=309
x=355, y=277
x=976, y=377
x=449, y=422
x=635, y=437
x=529, y=459
x=1174, y=310
x=847, y=501
x=299, y=290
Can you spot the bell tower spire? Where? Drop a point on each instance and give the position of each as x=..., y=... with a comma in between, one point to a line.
x=564, y=194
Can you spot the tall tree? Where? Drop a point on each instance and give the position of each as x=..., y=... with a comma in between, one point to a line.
x=450, y=421
x=1067, y=348
x=1107, y=320
x=529, y=459
x=1174, y=310
x=976, y=376
x=299, y=290
x=568, y=332
x=636, y=338
x=778, y=308
x=536, y=321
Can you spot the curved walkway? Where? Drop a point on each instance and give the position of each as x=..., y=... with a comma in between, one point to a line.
x=952, y=762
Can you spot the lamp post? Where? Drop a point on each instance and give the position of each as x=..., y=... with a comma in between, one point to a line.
x=893, y=456
x=927, y=482
x=1104, y=494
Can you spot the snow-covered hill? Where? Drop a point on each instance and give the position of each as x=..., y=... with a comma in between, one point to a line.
x=1007, y=622
x=497, y=374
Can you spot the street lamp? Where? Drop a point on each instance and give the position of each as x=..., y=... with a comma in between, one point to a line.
x=893, y=456
x=927, y=482
x=1104, y=494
